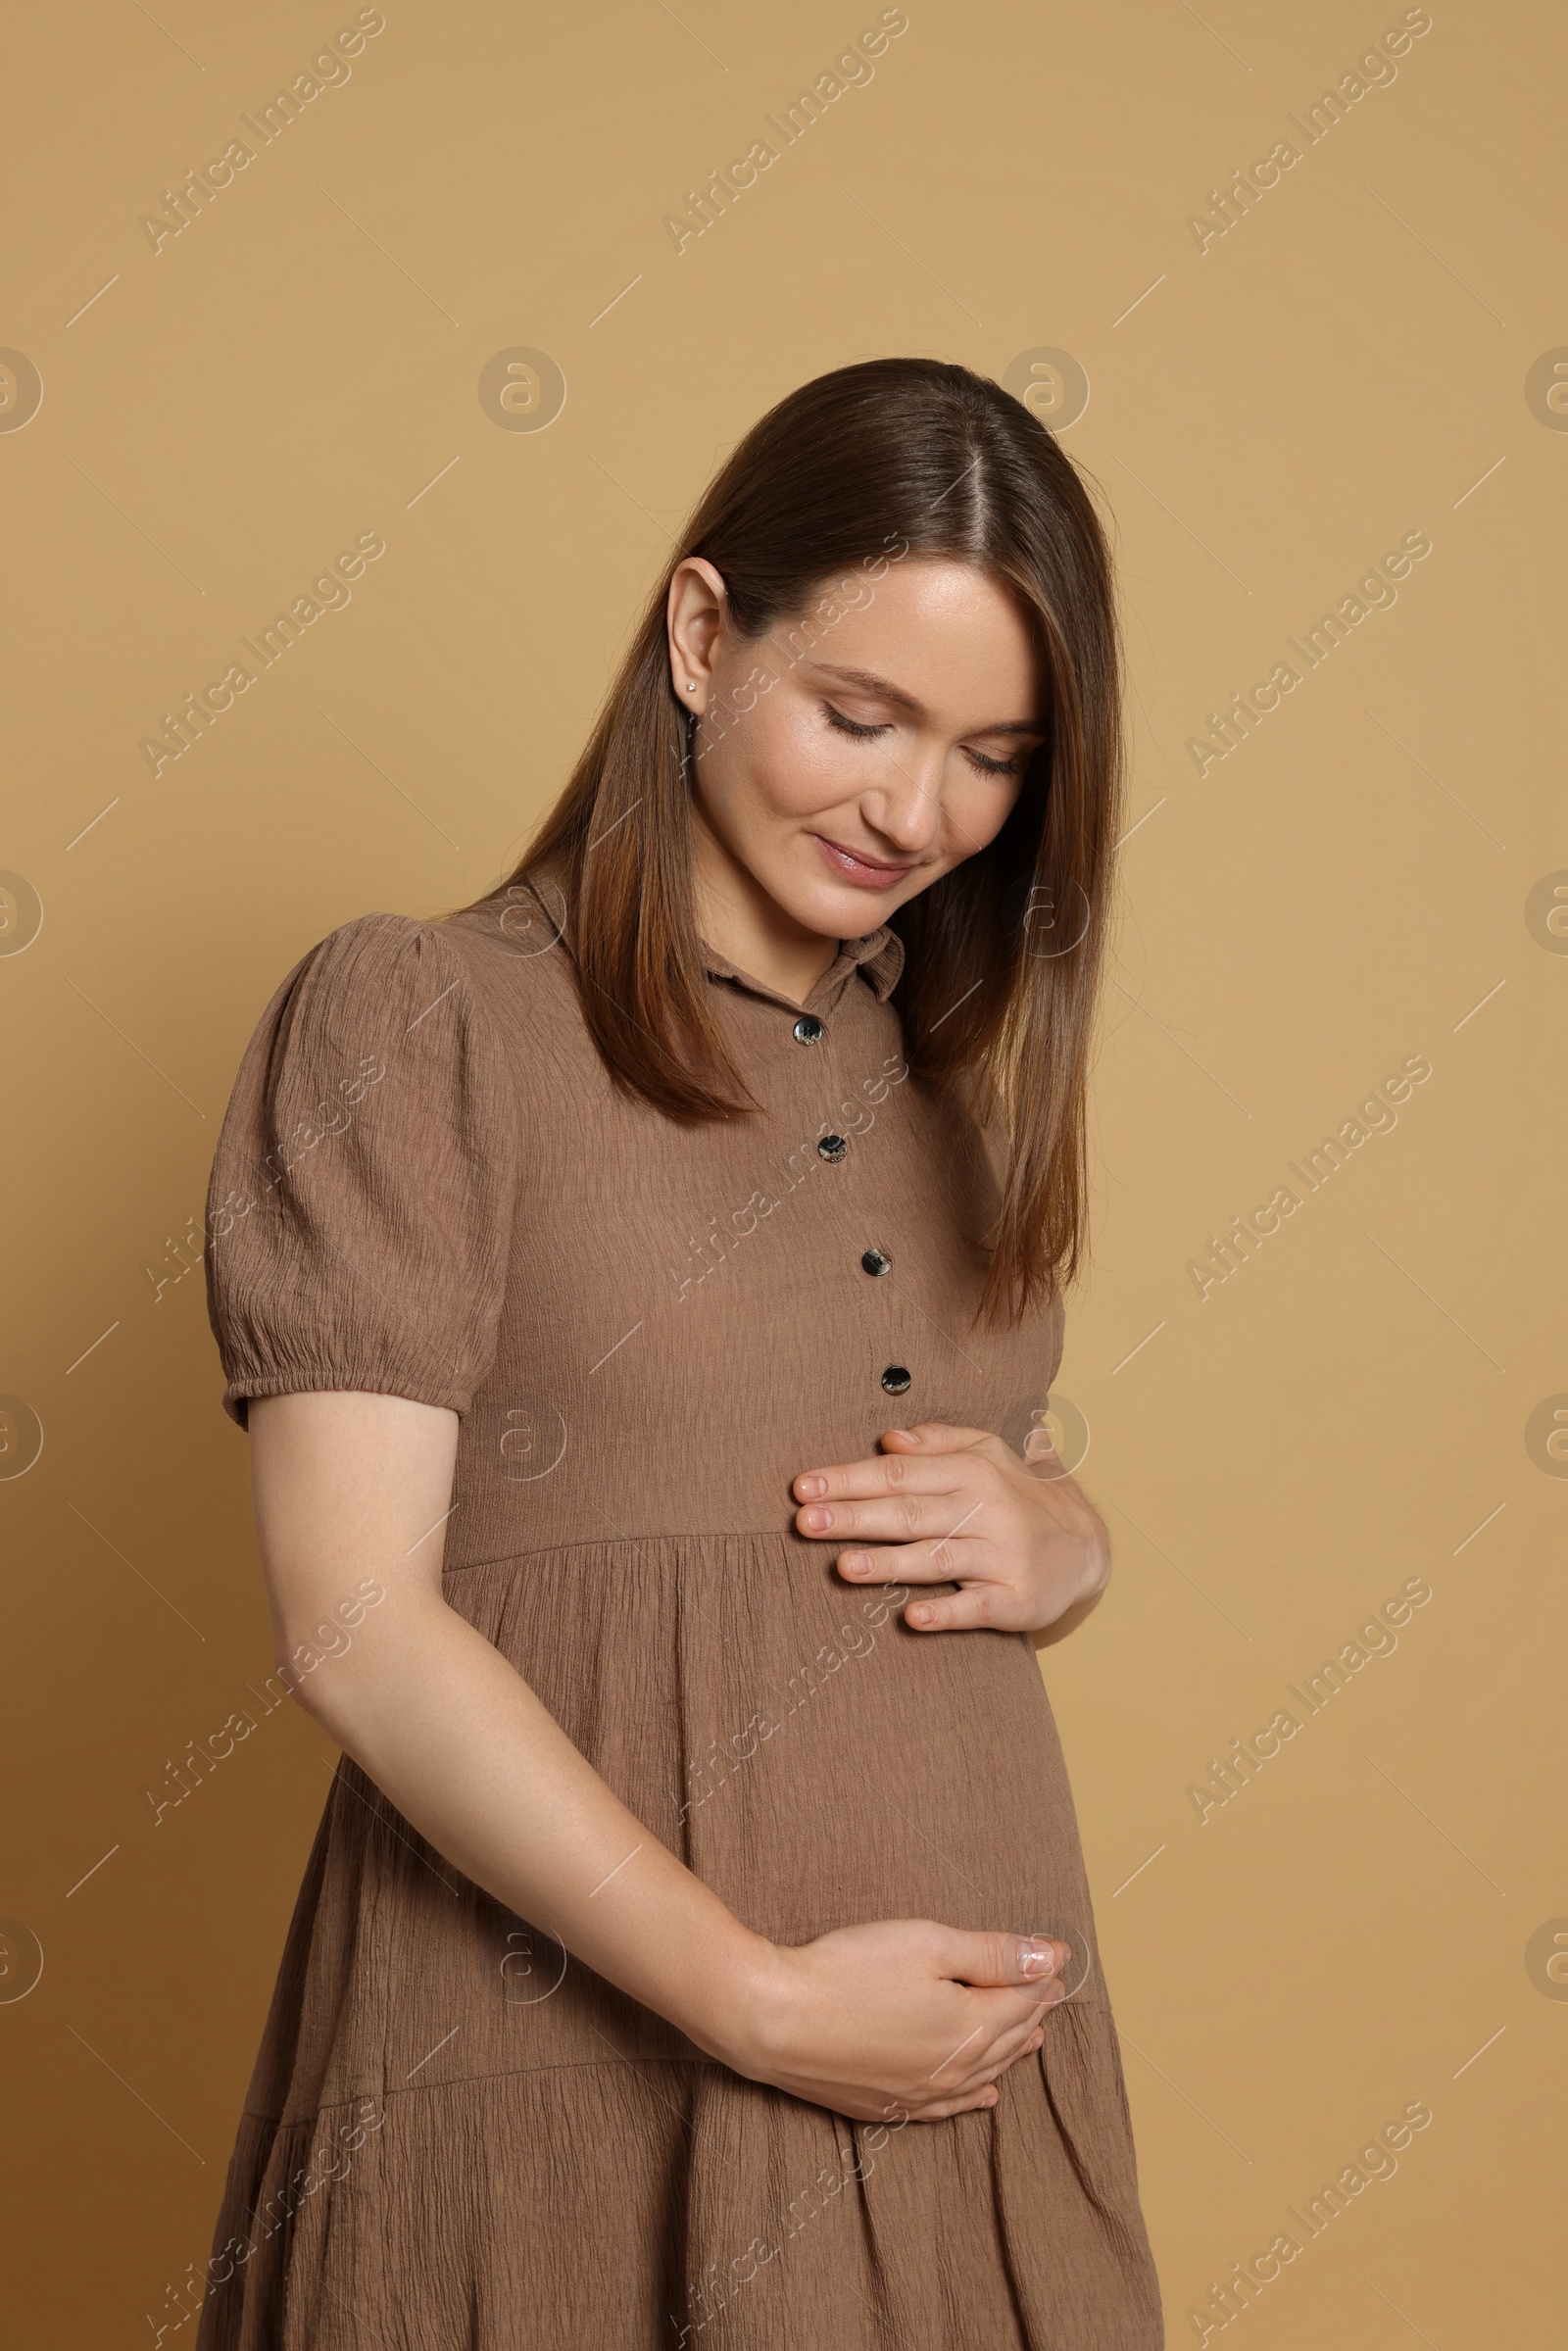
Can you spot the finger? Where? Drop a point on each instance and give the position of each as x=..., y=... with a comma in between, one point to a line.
x=897, y=1518
x=980, y=1607
x=937, y=1437
x=914, y=1563
x=1021, y=2038
x=1002, y=1959
x=880, y=1474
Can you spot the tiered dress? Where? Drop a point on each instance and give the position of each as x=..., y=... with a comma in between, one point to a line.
x=457, y=2137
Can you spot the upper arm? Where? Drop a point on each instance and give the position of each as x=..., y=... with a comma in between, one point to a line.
x=352, y=1493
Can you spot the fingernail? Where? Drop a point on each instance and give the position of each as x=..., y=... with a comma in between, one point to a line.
x=921, y=1616
x=1036, y=1958
x=809, y=1487
x=817, y=1521
x=1057, y=1995
x=855, y=1563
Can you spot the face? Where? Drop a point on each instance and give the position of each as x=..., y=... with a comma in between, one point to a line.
x=889, y=744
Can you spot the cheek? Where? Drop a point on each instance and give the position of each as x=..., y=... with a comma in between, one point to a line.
x=781, y=764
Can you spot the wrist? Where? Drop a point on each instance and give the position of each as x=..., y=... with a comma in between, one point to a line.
x=733, y=2011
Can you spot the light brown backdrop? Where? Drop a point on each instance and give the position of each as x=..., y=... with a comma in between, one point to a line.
x=1372, y=1397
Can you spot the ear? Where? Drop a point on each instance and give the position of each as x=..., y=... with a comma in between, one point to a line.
x=695, y=622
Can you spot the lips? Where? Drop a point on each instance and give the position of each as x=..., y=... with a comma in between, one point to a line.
x=867, y=873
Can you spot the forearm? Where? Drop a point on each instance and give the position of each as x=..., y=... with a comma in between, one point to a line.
x=455, y=1738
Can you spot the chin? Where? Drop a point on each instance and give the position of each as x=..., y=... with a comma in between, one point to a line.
x=836, y=909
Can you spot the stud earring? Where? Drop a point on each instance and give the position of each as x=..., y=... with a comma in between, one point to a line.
x=691, y=685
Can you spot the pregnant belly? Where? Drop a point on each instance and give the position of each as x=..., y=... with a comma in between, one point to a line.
x=809, y=1756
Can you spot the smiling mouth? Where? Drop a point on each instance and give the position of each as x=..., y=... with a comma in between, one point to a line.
x=852, y=866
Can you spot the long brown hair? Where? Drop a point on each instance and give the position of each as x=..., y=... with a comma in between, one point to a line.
x=1003, y=953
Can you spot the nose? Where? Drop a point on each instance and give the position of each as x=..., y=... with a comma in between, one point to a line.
x=905, y=807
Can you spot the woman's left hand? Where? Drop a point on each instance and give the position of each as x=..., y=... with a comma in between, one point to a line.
x=939, y=1505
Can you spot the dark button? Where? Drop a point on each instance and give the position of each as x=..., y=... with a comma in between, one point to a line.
x=896, y=1379
x=832, y=1147
x=877, y=1260
x=807, y=1028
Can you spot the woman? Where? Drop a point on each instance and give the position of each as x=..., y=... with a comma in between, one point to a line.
x=631, y=1285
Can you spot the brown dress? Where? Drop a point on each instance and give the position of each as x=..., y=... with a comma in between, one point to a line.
x=457, y=2139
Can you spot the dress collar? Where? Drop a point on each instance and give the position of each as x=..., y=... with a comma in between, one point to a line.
x=879, y=955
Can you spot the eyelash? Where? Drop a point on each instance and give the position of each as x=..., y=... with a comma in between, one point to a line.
x=852, y=726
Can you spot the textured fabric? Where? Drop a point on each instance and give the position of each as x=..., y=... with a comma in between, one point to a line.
x=455, y=2135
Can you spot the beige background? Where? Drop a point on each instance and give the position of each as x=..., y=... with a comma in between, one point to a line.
x=1353, y=1931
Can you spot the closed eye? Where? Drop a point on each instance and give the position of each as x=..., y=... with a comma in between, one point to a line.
x=851, y=726
x=977, y=759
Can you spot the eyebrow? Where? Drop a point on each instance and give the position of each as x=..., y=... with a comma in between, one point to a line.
x=883, y=688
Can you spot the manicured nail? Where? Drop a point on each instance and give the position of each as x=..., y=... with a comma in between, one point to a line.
x=1036, y=1958
x=810, y=1487
x=816, y=1521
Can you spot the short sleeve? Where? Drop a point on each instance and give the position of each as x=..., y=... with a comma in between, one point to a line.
x=361, y=1203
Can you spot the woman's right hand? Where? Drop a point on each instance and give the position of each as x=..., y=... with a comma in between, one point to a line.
x=900, y=2017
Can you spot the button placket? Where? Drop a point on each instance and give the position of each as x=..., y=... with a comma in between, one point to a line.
x=852, y=1211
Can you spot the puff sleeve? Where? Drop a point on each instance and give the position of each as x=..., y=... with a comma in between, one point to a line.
x=361, y=1203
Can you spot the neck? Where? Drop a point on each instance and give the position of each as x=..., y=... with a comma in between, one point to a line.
x=736, y=915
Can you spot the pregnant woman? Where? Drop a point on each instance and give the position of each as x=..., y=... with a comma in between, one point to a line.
x=642, y=1289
